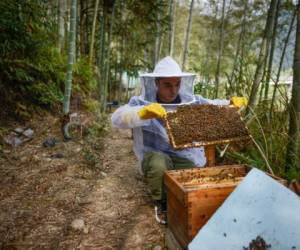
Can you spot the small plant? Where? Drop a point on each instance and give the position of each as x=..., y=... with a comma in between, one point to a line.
x=91, y=105
x=90, y=157
x=100, y=127
x=84, y=79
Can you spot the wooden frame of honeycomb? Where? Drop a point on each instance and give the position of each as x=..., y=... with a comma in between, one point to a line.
x=192, y=143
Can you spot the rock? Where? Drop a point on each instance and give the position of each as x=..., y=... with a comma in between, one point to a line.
x=19, y=130
x=103, y=174
x=157, y=248
x=86, y=230
x=49, y=142
x=13, y=140
x=35, y=157
x=57, y=155
x=125, y=196
x=84, y=200
x=78, y=224
x=77, y=150
x=28, y=133
x=18, y=136
x=23, y=159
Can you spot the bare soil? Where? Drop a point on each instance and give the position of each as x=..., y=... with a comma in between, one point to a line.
x=94, y=179
x=205, y=123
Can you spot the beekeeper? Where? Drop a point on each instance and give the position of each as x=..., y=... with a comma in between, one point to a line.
x=163, y=90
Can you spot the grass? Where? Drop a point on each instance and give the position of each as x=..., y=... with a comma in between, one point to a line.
x=270, y=139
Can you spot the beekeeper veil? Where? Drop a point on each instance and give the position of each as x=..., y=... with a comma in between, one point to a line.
x=167, y=67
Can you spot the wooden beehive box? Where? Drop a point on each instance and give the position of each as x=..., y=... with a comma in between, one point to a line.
x=193, y=195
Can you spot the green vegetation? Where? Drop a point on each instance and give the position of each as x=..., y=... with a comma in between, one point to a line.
x=32, y=71
x=231, y=45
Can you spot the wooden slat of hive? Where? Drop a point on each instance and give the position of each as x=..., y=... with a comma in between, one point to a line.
x=177, y=219
x=295, y=187
x=204, y=205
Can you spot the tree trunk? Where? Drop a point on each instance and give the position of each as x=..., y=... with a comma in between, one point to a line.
x=273, y=45
x=107, y=56
x=71, y=57
x=220, y=50
x=241, y=72
x=239, y=79
x=87, y=28
x=78, y=33
x=263, y=79
x=82, y=21
x=281, y=60
x=187, y=36
x=262, y=54
x=127, y=90
x=61, y=24
x=238, y=48
x=157, y=36
x=209, y=50
x=93, y=32
x=160, y=45
x=292, y=159
x=121, y=53
x=100, y=62
x=172, y=14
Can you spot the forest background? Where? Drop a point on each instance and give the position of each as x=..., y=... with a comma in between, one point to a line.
x=92, y=51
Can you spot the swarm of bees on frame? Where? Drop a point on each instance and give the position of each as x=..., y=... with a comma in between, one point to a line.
x=193, y=177
x=205, y=123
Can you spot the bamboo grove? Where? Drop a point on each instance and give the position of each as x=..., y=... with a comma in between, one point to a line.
x=54, y=51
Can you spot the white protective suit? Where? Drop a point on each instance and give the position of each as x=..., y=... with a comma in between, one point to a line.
x=150, y=135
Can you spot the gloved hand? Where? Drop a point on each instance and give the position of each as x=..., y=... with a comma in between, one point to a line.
x=239, y=101
x=153, y=110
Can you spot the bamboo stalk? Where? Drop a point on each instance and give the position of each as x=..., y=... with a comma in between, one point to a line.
x=71, y=58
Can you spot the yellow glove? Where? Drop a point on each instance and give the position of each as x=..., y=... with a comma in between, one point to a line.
x=153, y=110
x=239, y=101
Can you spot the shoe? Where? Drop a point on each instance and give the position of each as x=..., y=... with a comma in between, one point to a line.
x=161, y=205
x=160, y=209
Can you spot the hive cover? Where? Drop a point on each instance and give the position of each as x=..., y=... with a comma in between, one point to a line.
x=200, y=125
x=259, y=212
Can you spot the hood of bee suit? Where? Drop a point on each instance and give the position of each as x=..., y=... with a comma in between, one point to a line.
x=167, y=67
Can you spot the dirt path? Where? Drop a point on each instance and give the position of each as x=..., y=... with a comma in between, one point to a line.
x=95, y=181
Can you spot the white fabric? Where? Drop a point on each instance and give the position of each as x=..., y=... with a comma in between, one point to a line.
x=127, y=117
x=167, y=67
x=150, y=135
